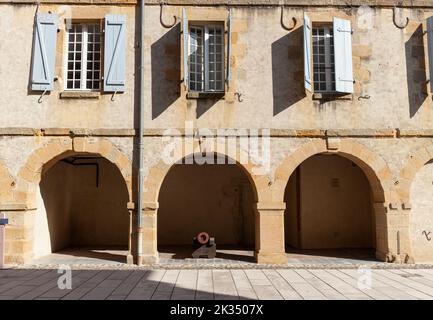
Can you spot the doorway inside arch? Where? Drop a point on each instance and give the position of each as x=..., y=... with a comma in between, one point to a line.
x=81, y=215
x=329, y=214
x=213, y=198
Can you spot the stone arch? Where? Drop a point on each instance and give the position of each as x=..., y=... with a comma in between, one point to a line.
x=30, y=173
x=414, y=162
x=374, y=167
x=7, y=184
x=158, y=172
x=415, y=217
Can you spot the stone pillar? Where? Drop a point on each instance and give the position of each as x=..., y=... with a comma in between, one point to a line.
x=131, y=209
x=269, y=222
x=149, y=230
x=19, y=233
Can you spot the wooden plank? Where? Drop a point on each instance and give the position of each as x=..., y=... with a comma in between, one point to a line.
x=224, y=286
x=146, y=286
x=186, y=285
x=204, y=285
x=346, y=290
x=302, y=287
x=283, y=287
x=328, y=291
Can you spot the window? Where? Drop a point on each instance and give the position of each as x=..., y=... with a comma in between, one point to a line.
x=84, y=57
x=323, y=59
x=206, y=58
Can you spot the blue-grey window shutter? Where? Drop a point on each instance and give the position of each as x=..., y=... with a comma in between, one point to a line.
x=114, y=53
x=307, y=54
x=44, y=52
x=430, y=49
x=343, y=56
x=185, y=48
x=229, y=22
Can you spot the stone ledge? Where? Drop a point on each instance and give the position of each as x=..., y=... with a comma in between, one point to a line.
x=79, y=95
x=389, y=133
x=326, y=97
x=205, y=95
x=415, y=133
x=231, y=132
x=297, y=3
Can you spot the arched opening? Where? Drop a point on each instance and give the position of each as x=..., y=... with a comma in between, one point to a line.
x=216, y=198
x=81, y=211
x=421, y=215
x=329, y=210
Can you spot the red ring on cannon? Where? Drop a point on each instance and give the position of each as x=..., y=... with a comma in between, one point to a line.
x=203, y=238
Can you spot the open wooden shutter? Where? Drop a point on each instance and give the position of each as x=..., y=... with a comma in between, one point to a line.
x=430, y=49
x=44, y=52
x=114, y=53
x=343, y=56
x=228, y=75
x=185, y=48
x=307, y=54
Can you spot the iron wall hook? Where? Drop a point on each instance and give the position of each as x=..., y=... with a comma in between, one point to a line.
x=42, y=95
x=400, y=26
x=113, y=96
x=282, y=21
x=239, y=95
x=165, y=25
x=427, y=235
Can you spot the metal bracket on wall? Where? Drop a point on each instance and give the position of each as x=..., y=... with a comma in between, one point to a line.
x=113, y=96
x=400, y=26
x=282, y=21
x=364, y=97
x=427, y=235
x=239, y=95
x=42, y=95
x=166, y=25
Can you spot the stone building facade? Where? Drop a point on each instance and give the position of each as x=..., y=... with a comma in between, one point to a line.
x=348, y=169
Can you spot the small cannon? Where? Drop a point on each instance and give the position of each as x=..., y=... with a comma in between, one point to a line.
x=204, y=246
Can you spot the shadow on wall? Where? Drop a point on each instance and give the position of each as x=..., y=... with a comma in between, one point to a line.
x=287, y=71
x=416, y=71
x=203, y=105
x=165, y=55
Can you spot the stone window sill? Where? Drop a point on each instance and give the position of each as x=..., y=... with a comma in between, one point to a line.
x=332, y=96
x=205, y=95
x=79, y=95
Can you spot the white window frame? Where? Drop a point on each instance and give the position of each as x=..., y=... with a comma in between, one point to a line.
x=205, y=30
x=84, y=42
x=329, y=65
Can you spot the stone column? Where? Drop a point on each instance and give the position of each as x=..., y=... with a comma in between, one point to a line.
x=19, y=233
x=270, y=246
x=149, y=230
x=131, y=209
x=392, y=233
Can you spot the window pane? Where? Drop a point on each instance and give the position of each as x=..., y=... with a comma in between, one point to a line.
x=78, y=44
x=196, y=59
x=323, y=59
x=215, y=59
